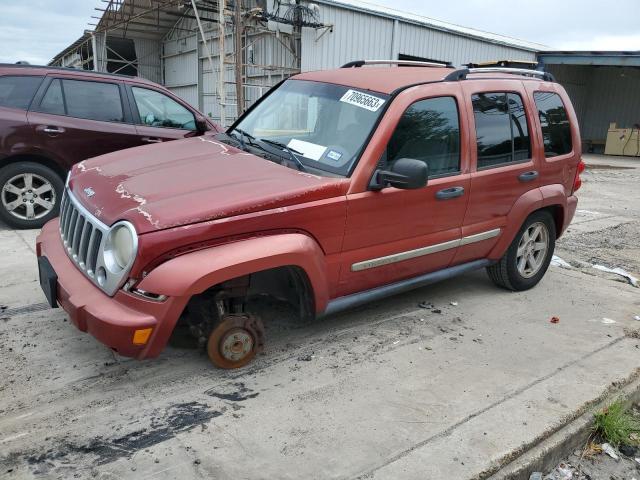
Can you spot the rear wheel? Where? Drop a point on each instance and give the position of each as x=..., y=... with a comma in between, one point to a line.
x=30, y=194
x=528, y=257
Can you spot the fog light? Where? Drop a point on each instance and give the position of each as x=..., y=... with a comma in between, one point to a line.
x=140, y=337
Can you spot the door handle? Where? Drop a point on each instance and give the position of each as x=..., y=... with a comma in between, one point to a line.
x=151, y=139
x=451, y=192
x=53, y=130
x=528, y=176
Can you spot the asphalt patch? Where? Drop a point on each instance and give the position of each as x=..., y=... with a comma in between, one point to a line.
x=176, y=419
x=241, y=394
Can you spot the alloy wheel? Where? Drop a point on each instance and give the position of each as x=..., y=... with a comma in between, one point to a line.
x=28, y=196
x=532, y=249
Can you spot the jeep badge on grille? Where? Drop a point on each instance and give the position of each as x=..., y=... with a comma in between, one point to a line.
x=89, y=192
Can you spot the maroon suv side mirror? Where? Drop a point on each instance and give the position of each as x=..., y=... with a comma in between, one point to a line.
x=201, y=124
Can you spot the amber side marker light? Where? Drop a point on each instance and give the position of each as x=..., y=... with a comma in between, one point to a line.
x=141, y=337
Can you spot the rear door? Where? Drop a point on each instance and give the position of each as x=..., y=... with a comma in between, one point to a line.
x=16, y=94
x=503, y=161
x=158, y=116
x=395, y=234
x=75, y=119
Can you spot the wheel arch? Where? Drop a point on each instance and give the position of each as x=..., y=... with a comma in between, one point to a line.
x=36, y=158
x=295, y=256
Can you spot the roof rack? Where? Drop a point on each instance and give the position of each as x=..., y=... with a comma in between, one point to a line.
x=463, y=72
x=64, y=69
x=413, y=63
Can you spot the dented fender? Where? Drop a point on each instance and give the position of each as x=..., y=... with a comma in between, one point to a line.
x=195, y=272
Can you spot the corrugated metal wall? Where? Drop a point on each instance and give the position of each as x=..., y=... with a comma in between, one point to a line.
x=355, y=35
x=187, y=71
x=359, y=35
x=601, y=95
x=149, y=61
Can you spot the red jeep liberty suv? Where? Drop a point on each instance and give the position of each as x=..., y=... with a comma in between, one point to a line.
x=336, y=188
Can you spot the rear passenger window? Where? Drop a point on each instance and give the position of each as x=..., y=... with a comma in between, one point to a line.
x=556, y=131
x=428, y=131
x=17, y=91
x=502, y=134
x=53, y=101
x=93, y=100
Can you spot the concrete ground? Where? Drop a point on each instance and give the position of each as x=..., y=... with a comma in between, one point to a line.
x=389, y=391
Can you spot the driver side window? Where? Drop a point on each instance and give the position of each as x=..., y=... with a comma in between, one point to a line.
x=158, y=110
x=429, y=130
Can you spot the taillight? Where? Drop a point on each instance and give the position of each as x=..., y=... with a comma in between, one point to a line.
x=577, y=182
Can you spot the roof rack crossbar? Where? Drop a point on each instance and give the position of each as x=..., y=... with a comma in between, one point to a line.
x=414, y=63
x=462, y=73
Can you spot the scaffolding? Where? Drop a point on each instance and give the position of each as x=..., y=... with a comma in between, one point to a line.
x=132, y=37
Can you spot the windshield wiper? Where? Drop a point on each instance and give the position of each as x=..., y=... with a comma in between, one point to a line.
x=292, y=153
x=242, y=136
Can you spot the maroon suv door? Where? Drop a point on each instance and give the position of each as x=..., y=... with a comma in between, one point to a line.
x=160, y=117
x=75, y=119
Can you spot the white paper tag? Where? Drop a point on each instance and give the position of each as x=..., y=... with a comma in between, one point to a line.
x=308, y=149
x=362, y=100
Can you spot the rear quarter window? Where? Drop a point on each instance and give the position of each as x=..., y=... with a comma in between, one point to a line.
x=554, y=121
x=18, y=91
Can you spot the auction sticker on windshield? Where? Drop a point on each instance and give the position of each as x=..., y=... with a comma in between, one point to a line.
x=362, y=100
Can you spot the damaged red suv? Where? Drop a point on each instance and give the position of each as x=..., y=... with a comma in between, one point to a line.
x=51, y=118
x=335, y=189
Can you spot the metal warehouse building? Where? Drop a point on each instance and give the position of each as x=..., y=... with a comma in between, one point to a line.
x=177, y=43
x=604, y=88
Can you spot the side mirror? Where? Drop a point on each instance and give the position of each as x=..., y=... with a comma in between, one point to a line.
x=201, y=124
x=405, y=173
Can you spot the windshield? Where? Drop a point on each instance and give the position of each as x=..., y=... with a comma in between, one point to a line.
x=324, y=125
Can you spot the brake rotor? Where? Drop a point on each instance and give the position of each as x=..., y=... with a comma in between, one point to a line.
x=235, y=340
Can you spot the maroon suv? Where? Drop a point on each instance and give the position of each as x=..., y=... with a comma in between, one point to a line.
x=52, y=118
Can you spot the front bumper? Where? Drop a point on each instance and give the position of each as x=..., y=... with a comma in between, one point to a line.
x=111, y=320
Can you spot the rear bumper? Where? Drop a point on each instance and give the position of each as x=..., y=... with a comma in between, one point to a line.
x=111, y=320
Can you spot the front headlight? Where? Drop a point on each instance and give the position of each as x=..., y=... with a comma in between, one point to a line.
x=120, y=247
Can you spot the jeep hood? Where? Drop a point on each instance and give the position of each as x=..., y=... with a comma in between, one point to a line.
x=189, y=181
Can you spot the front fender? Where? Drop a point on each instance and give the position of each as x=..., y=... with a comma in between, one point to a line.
x=195, y=272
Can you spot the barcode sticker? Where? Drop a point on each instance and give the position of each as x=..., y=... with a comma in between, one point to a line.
x=362, y=100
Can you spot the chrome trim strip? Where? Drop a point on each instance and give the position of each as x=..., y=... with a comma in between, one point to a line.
x=399, y=257
x=419, y=252
x=478, y=237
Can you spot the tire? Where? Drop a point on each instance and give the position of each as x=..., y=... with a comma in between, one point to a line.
x=522, y=272
x=23, y=207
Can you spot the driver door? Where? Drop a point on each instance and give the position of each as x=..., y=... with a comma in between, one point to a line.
x=395, y=234
x=160, y=118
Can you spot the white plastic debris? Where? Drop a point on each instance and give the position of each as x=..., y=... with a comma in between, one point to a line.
x=619, y=271
x=587, y=212
x=565, y=473
x=608, y=321
x=455, y=304
x=556, y=261
x=637, y=317
x=609, y=450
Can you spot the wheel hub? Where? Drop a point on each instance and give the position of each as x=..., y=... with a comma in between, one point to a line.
x=236, y=344
x=235, y=340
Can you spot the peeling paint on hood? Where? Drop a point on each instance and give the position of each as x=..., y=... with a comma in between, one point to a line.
x=189, y=181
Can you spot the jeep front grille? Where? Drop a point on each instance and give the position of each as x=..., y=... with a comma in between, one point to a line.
x=83, y=237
